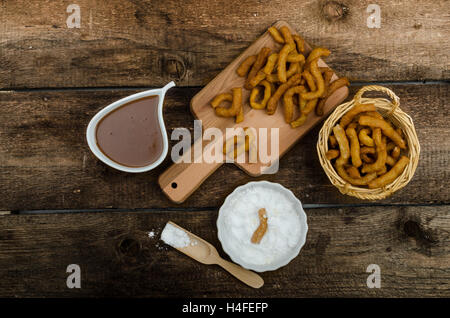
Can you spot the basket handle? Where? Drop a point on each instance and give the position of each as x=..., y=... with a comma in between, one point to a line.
x=387, y=91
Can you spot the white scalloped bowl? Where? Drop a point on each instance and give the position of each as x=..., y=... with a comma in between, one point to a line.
x=224, y=235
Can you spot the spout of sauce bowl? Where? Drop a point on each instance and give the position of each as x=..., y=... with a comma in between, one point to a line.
x=129, y=135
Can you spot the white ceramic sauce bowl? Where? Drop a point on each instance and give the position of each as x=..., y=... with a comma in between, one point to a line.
x=222, y=231
x=92, y=128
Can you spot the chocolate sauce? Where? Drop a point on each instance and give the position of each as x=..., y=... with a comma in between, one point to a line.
x=131, y=134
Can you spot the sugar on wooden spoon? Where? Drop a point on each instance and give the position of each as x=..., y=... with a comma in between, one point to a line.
x=205, y=253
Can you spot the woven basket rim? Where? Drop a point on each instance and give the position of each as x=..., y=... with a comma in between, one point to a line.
x=389, y=109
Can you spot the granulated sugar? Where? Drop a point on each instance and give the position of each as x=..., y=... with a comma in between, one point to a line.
x=241, y=220
x=175, y=237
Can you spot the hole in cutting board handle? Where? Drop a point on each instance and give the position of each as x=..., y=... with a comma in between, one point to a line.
x=174, y=185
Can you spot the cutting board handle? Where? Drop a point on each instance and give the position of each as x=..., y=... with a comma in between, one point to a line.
x=181, y=179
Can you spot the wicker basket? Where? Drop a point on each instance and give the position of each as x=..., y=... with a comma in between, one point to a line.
x=389, y=110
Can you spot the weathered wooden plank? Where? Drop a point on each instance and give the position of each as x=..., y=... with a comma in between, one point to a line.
x=45, y=162
x=148, y=43
x=117, y=258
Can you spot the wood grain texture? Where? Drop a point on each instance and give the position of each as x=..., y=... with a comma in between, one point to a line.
x=117, y=258
x=148, y=43
x=45, y=162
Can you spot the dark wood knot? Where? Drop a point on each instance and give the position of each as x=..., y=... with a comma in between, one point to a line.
x=129, y=247
x=174, y=67
x=413, y=229
x=333, y=10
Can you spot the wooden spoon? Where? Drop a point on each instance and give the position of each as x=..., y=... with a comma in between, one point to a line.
x=205, y=253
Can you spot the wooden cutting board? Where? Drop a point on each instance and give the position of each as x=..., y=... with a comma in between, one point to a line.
x=180, y=180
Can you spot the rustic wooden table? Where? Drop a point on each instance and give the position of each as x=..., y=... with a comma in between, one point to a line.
x=61, y=206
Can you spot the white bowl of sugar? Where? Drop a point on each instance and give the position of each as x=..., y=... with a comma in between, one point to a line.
x=286, y=226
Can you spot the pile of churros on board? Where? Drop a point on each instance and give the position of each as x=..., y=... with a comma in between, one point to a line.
x=282, y=75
